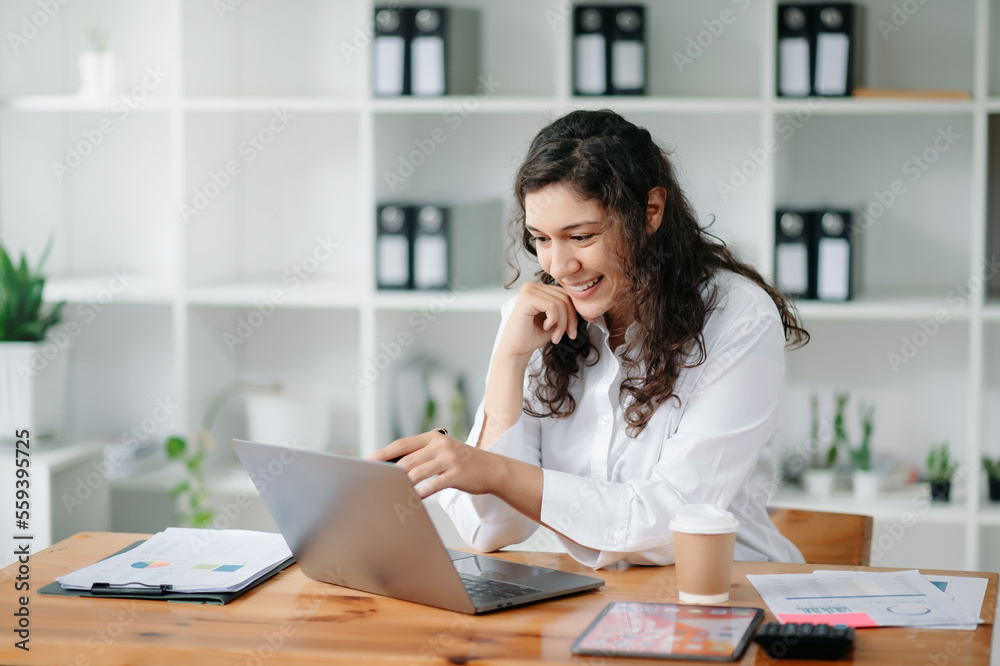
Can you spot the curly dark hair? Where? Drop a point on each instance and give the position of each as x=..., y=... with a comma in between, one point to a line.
x=602, y=157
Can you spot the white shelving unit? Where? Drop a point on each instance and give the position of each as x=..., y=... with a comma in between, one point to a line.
x=304, y=196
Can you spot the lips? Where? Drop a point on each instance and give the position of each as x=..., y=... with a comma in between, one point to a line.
x=580, y=288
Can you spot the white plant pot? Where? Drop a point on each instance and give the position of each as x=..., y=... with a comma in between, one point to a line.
x=819, y=482
x=33, y=379
x=867, y=484
x=296, y=419
x=98, y=74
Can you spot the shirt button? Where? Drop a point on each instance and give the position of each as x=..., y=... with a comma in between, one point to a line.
x=605, y=420
x=612, y=542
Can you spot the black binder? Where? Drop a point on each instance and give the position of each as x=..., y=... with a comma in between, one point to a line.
x=834, y=255
x=794, y=253
x=160, y=592
x=609, y=50
x=627, y=42
x=425, y=51
x=590, y=51
x=431, y=248
x=796, y=49
x=835, y=58
x=394, y=247
x=390, y=53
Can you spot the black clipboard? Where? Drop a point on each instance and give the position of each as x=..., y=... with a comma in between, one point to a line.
x=161, y=593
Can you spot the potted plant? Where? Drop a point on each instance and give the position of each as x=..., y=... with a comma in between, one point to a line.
x=866, y=480
x=98, y=71
x=819, y=477
x=940, y=469
x=192, y=490
x=992, y=468
x=32, y=366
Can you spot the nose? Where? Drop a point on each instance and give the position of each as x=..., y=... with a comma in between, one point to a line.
x=562, y=261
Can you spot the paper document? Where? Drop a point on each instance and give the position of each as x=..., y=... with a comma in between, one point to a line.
x=861, y=599
x=187, y=560
x=966, y=591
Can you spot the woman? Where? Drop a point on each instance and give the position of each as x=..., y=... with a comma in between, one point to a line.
x=639, y=374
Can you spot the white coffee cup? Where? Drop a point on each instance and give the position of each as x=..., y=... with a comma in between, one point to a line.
x=704, y=542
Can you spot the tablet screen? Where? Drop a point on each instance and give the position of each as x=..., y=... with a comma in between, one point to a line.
x=669, y=631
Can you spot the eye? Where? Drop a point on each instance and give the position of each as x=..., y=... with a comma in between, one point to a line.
x=582, y=238
x=539, y=239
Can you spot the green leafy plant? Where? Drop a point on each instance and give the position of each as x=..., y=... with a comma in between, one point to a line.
x=940, y=466
x=97, y=36
x=192, y=489
x=861, y=455
x=992, y=467
x=22, y=315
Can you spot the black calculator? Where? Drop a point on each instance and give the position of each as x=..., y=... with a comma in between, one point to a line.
x=805, y=640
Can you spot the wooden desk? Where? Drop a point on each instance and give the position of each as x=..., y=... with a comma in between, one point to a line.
x=292, y=619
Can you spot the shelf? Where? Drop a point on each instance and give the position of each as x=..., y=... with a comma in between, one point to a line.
x=473, y=300
x=871, y=105
x=880, y=309
x=657, y=104
x=463, y=104
x=314, y=293
x=77, y=104
x=317, y=104
x=106, y=290
x=891, y=505
x=991, y=311
x=989, y=513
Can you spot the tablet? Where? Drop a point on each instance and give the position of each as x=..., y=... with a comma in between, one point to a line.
x=669, y=631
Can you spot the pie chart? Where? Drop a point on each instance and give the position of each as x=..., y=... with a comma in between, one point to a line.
x=149, y=564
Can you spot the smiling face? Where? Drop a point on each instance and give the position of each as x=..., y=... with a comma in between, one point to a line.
x=571, y=241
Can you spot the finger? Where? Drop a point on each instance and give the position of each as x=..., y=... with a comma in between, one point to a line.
x=425, y=470
x=433, y=485
x=401, y=447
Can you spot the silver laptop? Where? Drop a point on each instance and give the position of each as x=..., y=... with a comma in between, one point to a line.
x=360, y=524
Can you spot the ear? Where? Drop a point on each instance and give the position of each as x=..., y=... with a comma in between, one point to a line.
x=655, y=203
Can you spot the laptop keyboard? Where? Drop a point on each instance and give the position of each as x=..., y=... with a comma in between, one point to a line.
x=484, y=591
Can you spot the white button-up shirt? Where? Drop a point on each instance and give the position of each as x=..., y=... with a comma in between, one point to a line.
x=611, y=497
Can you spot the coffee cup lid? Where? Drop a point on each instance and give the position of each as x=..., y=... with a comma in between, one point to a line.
x=703, y=519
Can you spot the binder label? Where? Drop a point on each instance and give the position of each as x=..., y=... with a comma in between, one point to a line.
x=794, y=60
x=834, y=269
x=389, y=52
x=792, y=264
x=393, y=260
x=627, y=57
x=591, y=75
x=428, y=66
x=832, y=50
x=430, y=262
